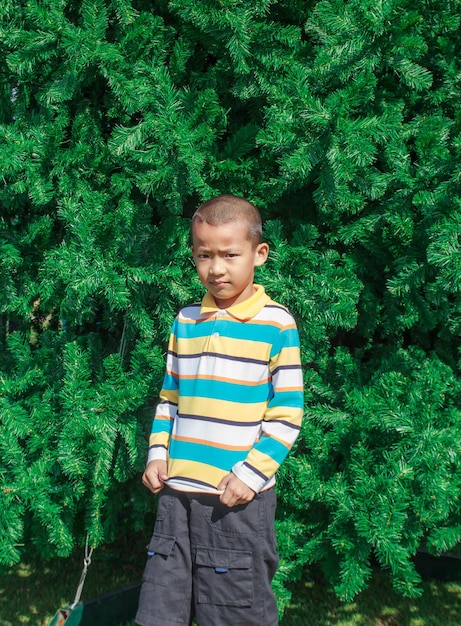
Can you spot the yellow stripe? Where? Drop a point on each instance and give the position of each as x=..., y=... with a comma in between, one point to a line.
x=196, y=471
x=231, y=411
x=173, y=343
x=287, y=356
x=239, y=348
x=159, y=439
x=262, y=462
x=171, y=395
x=288, y=414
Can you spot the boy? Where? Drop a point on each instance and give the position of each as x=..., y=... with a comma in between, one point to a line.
x=230, y=409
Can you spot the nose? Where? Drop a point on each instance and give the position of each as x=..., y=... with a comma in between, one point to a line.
x=217, y=267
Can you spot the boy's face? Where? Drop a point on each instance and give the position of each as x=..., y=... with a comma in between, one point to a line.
x=225, y=260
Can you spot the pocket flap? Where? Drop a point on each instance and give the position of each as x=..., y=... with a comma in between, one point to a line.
x=161, y=544
x=223, y=559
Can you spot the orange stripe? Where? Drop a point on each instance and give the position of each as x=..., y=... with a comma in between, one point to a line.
x=274, y=323
x=211, y=443
x=165, y=418
x=271, y=323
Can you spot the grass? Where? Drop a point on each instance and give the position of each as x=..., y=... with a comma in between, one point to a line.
x=379, y=605
x=32, y=591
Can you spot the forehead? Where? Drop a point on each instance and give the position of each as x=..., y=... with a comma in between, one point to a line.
x=229, y=234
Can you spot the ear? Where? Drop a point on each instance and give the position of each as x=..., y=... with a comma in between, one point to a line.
x=192, y=253
x=261, y=254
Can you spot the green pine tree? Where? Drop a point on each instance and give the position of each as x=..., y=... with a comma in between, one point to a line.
x=340, y=120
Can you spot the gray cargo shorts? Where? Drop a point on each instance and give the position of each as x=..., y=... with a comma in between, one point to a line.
x=210, y=561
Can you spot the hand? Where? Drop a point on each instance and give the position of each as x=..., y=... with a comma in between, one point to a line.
x=235, y=491
x=155, y=475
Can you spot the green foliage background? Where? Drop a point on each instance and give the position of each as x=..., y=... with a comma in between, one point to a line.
x=341, y=121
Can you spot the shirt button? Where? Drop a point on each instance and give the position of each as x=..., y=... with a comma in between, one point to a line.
x=215, y=334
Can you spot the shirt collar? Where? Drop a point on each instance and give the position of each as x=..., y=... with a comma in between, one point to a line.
x=243, y=310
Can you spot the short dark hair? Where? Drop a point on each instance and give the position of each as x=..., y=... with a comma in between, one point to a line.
x=227, y=208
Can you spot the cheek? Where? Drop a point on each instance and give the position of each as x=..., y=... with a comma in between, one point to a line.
x=202, y=269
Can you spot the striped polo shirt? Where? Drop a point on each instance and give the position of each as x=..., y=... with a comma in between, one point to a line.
x=232, y=395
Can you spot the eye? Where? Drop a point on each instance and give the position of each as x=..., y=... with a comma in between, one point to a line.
x=202, y=256
x=231, y=255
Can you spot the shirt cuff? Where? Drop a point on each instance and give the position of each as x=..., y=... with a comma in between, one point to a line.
x=252, y=479
x=156, y=453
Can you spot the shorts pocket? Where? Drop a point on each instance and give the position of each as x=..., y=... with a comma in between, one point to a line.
x=224, y=577
x=159, y=551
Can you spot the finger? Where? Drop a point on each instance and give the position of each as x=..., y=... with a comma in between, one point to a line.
x=226, y=498
x=223, y=484
x=151, y=482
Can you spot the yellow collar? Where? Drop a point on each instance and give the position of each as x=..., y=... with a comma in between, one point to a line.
x=243, y=310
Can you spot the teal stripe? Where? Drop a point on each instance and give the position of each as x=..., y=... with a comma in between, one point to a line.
x=287, y=339
x=251, y=332
x=272, y=448
x=200, y=453
x=294, y=399
x=219, y=390
x=161, y=426
x=170, y=383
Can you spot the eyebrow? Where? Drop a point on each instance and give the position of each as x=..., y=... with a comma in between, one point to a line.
x=226, y=249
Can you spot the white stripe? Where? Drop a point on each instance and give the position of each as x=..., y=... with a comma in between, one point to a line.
x=221, y=434
x=223, y=368
x=189, y=486
x=274, y=316
x=281, y=431
x=284, y=378
x=165, y=409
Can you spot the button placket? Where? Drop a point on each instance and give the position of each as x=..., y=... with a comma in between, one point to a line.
x=214, y=333
x=219, y=316
x=214, y=329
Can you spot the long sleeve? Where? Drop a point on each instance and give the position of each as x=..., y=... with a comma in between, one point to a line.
x=282, y=419
x=167, y=408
